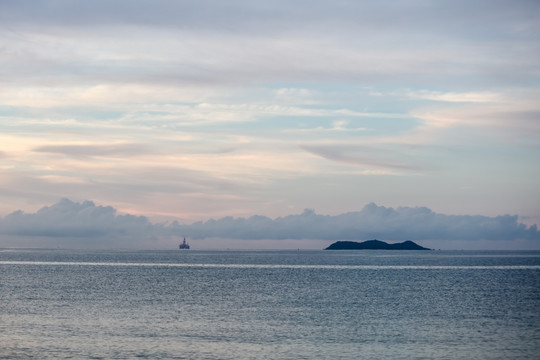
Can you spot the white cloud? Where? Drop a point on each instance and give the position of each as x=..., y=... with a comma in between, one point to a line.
x=474, y=97
x=518, y=118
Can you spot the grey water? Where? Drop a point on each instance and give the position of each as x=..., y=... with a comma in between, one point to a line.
x=269, y=304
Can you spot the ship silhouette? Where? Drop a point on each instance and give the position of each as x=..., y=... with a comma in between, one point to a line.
x=184, y=245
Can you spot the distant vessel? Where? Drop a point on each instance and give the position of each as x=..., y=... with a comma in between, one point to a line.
x=184, y=245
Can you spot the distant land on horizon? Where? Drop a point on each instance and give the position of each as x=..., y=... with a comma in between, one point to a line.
x=374, y=245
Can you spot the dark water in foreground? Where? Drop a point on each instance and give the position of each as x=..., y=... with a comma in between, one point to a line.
x=269, y=304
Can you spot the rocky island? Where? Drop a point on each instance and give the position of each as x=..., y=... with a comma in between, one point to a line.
x=374, y=245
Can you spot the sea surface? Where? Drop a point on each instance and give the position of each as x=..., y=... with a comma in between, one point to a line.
x=192, y=304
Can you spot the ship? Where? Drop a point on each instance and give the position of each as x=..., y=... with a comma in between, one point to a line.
x=184, y=245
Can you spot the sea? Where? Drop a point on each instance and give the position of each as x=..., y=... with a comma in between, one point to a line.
x=190, y=304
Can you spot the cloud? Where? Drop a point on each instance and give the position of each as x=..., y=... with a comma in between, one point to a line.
x=211, y=108
x=513, y=119
x=85, y=224
x=249, y=42
x=418, y=223
x=363, y=156
x=474, y=97
x=260, y=16
x=94, y=150
x=79, y=224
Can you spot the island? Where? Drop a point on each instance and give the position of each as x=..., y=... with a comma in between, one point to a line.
x=374, y=245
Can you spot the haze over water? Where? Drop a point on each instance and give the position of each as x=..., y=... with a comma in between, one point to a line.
x=269, y=304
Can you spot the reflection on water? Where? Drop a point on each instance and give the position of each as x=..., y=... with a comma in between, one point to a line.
x=269, y=304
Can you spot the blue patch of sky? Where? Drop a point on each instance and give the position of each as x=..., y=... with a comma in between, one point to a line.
x=352, y=126
x=17, y=111
x=310, y=126
x=357, y=97
x=60, y=113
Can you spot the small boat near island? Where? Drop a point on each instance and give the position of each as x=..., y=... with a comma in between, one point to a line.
x=184, y=245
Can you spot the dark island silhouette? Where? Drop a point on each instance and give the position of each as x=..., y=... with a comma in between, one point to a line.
x=374, y=245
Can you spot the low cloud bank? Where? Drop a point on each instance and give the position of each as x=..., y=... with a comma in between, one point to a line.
x=418, y=223
x=86, y=224
x=78, y=224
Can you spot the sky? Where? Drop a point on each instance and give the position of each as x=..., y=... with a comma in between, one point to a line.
x=229, y=119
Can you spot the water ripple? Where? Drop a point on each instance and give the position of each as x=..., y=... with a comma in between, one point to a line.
x=274, y=266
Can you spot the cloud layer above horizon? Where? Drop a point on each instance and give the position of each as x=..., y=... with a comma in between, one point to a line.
x=72, y=224
x=204, y=109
